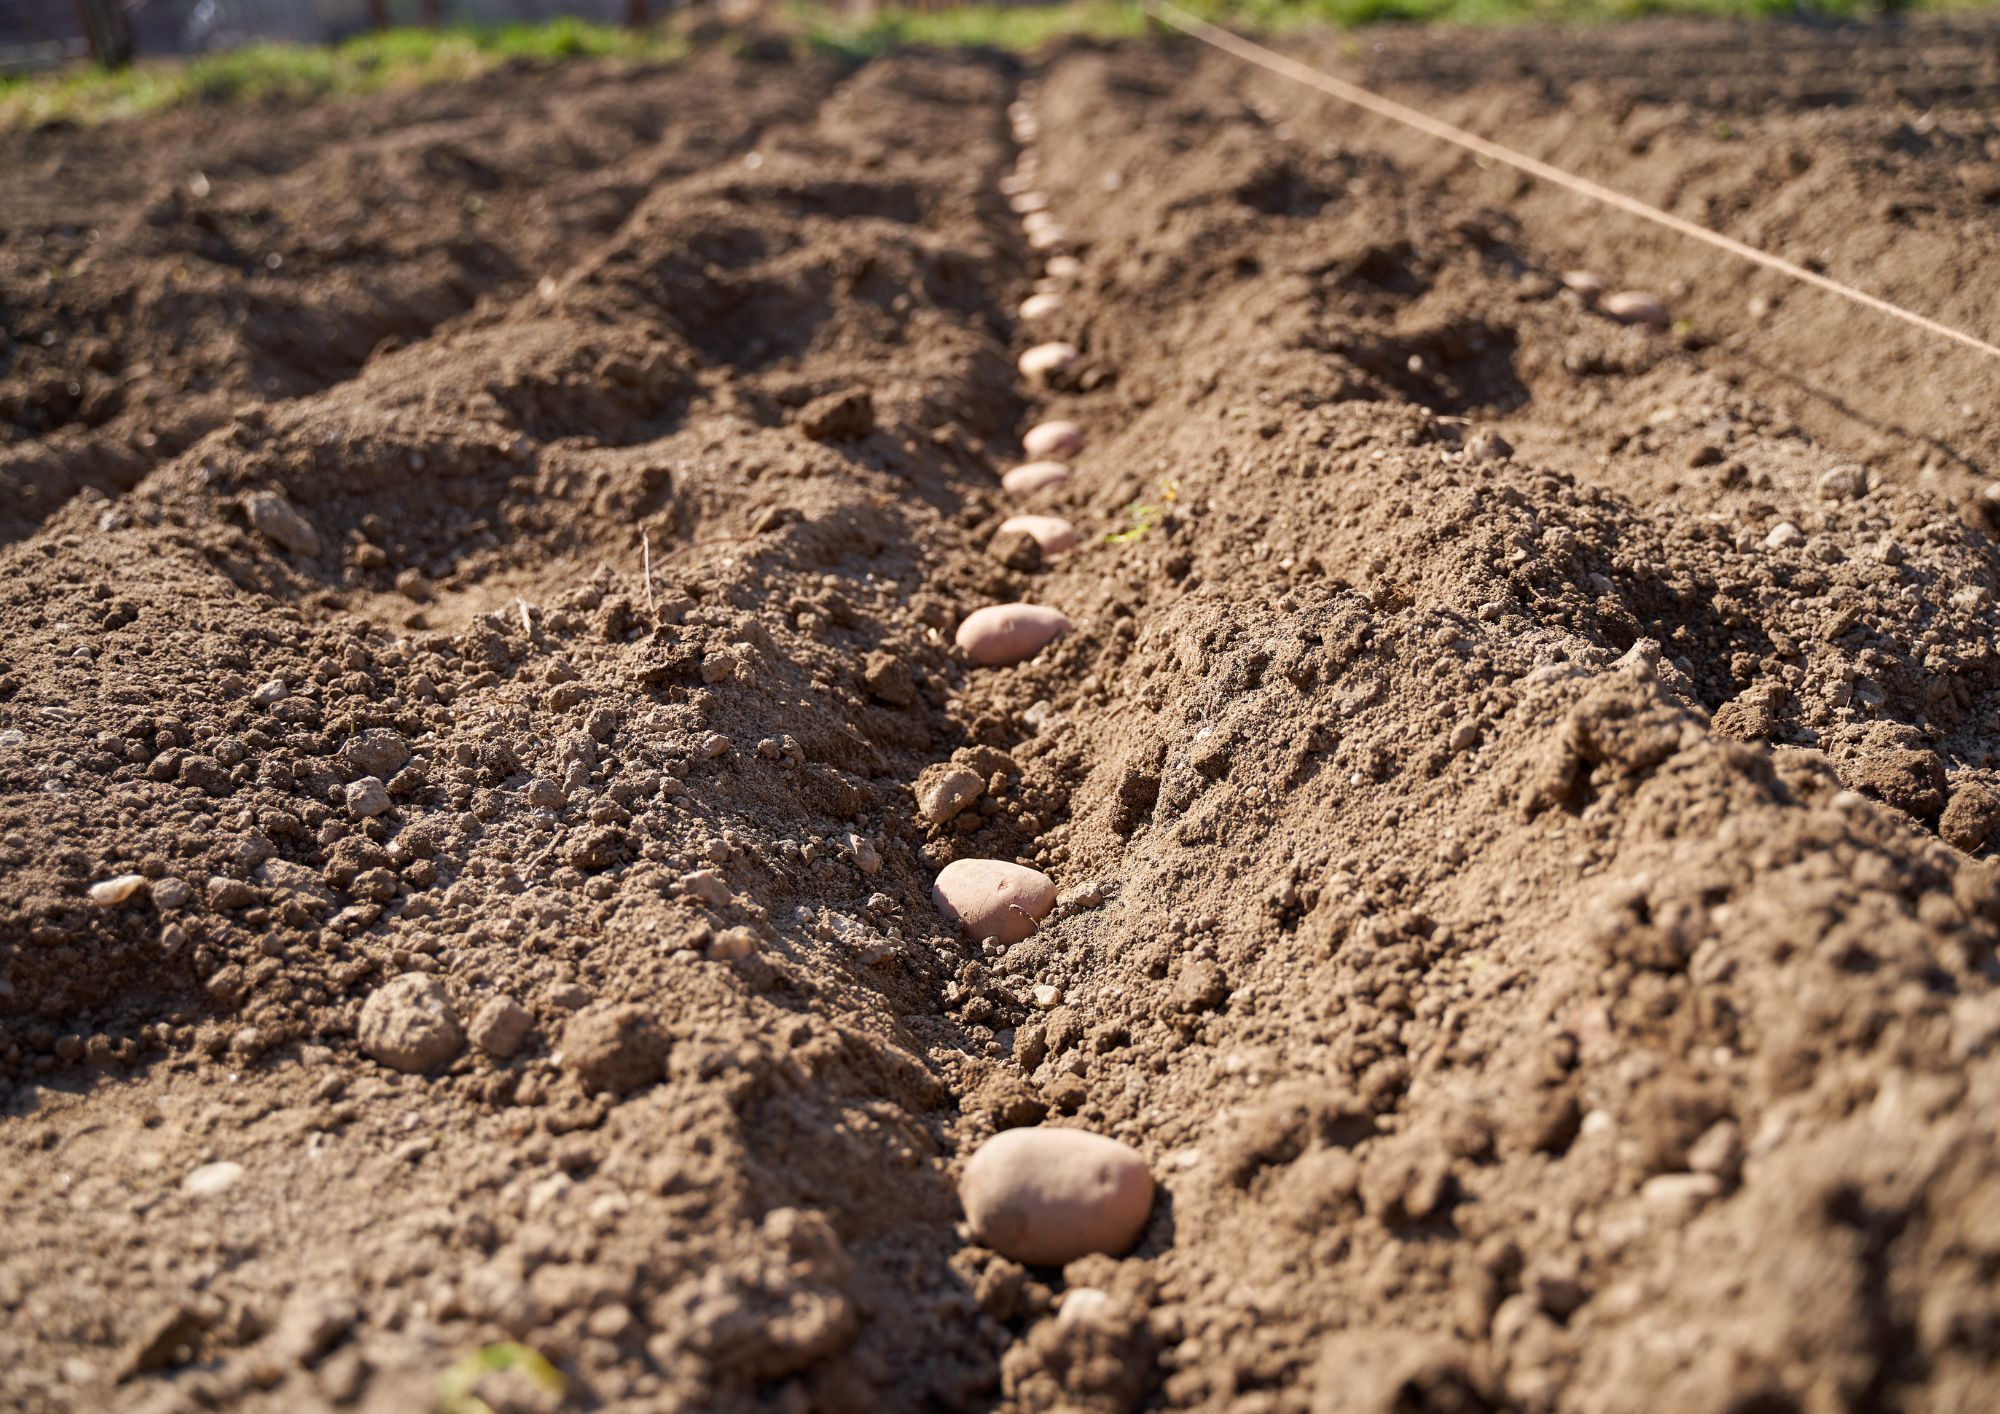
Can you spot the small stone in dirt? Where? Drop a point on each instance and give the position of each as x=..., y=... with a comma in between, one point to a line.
x=839, y=417
x=1046, y=1196
x=1680, y=1195
x=376, y=752
x=500, y=1026
x=1637, y=307
x=1048, y=237
x=1844, y=483
x=211, y=1179
x=1024, y=203
x=367, y=798
x=1064, y=267
x=866, y=858
x=171, y=892
x=992, y=898
x=1040, y=306
x=1053, y=441
x=1003, y=634
x=273, y=517
x=615, y=1049
x=1486, y=445
x=1052, y=534
x=706, y=886
x=1044, y=361
x=1032, y=477
x=945, y=789
x=408, y=1024
x=1783, y=536
x=1046, y=996
x=888, y=679
x=116, y=890
x=733, y=944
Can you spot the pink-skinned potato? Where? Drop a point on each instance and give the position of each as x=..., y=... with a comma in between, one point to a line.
x=1000, y=635
x=992, y=898
x=1044, y=1196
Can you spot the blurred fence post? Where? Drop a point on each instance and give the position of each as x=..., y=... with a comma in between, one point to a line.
x=109, y=31
x=635, y=14
x=378, y=14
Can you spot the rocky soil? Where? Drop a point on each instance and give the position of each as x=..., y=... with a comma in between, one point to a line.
x=482, y=712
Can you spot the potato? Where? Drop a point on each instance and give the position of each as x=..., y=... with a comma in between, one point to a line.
x=1637, y=307
x=1027, y=479
x=1044, y=360
x=1054, y=440
x=1054, y=534
x=1041, y=306
x=1003, y=634
x=1045, y=1196
x=991, y=898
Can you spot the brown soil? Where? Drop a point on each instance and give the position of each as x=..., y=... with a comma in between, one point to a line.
x=1532, y=912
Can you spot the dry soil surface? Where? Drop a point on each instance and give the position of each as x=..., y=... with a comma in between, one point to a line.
x=1521, y=785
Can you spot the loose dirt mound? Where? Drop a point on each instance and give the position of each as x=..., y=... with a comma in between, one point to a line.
x=1530, y=909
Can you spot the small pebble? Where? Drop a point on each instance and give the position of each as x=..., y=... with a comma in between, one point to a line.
x=1048, y=238
x=1040, y=306
x=944, y=789
x=1057, y=441
x=1045, y=360
x=1637, y=307
x=1782, y=535
x=1054, y=534
x=1000, y=635
x=866, y=858
x=1680, y=1195
x=114, y=891
x=1039, y=221
x=1032, y=477
x=992, y=898
x=367, y=797
x=733, y=944
x=1027, y=202
x=273, y=517
x=1064, y=267
x=1046, y=1196
x=211, y=1179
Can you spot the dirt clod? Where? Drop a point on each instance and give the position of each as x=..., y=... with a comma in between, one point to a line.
x=614, y=1048
x=409, y=1024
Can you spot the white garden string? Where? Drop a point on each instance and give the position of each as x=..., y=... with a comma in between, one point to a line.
x=1360, y=97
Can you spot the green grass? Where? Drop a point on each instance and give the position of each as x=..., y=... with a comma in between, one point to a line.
x=393, y=59
x=1019, y=28
x=1027, y=27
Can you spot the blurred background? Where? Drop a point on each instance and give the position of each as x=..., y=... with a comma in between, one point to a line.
x=40, y=34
